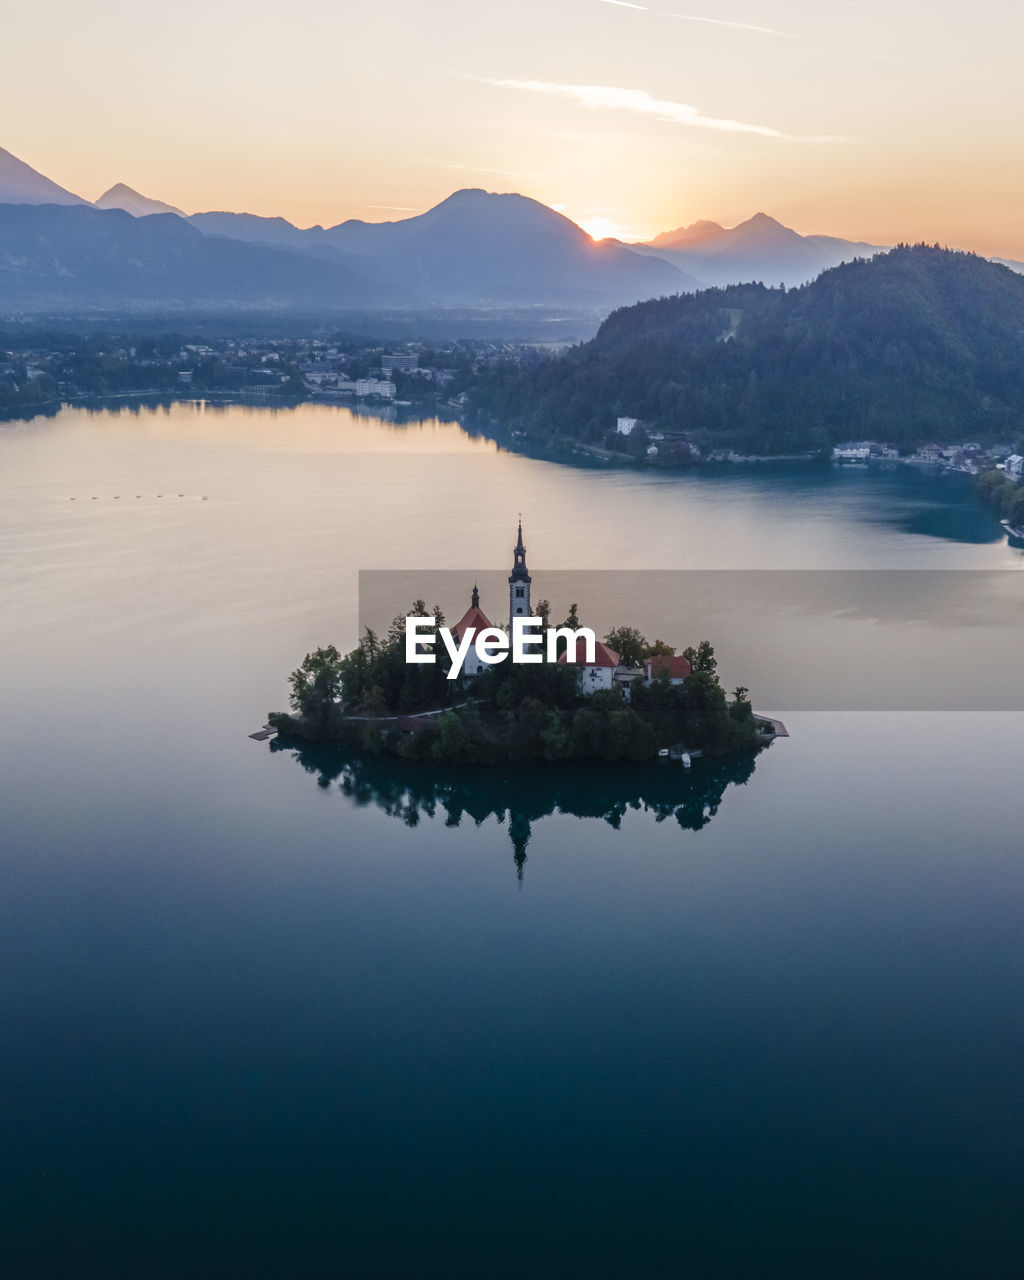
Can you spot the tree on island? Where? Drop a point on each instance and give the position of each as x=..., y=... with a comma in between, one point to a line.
x=741, y=710
x=702, y=660
x=572, y=621
x=316, y=686
x=377, y=681
x=629, y=644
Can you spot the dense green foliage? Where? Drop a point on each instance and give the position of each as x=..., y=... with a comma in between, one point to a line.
x=915, y=345
x=19, y=391
x=378, y=681
x=629, y=644
x=513, y=712
x=316, y=686
x=1005, y=494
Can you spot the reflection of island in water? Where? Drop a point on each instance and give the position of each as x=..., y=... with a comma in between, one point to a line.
x=410, y=790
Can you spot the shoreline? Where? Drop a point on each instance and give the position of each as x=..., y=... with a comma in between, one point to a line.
x=559, y=449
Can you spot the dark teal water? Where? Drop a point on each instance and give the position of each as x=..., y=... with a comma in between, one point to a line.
x=279, y=1013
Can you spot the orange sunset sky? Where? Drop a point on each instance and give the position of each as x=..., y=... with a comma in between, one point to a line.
x=874, y=121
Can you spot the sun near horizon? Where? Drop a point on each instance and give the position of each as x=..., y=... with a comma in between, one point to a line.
x=601, y=228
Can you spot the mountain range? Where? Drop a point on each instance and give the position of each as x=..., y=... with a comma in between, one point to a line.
x=759, y=249
x=55, y=258
x=475, y=249
x=706, y=253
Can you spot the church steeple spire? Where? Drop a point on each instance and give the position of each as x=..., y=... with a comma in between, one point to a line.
x=519, y=581
x=475, y=598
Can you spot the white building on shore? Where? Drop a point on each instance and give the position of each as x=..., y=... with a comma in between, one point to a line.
x=375, y=387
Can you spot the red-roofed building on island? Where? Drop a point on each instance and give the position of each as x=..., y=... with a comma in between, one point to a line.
x=595, y=675
x=675, y=668
x=475, y=620
x=473, y=617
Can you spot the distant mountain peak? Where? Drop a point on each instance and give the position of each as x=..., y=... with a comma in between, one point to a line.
x=477, y=198
x=131, y=201
x=695, y=234
x=762, y=228
x=21, y=184
x=763, y=221
x=480, y=247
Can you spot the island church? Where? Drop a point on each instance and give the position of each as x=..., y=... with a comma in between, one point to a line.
x=600, y=674
x=477, y=621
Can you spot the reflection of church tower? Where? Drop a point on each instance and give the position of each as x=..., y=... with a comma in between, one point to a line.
x=519, y=830
x=519, y=582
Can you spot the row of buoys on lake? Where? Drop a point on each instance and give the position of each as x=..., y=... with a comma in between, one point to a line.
x=95, y=497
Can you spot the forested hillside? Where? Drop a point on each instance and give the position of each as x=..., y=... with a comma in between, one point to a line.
x=921, y=343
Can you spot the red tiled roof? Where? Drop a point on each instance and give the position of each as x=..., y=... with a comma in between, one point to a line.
x=603, y=656
x=677, y=668
x=473, y=617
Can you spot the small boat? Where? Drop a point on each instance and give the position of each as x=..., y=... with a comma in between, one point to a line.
x=680, y=754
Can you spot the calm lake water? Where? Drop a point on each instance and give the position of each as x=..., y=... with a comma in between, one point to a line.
x=268, y=1014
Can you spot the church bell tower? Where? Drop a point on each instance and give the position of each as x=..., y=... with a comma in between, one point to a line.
x=519, y=582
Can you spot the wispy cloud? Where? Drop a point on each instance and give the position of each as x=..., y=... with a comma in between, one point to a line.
x=737, y=26
x=714, y=22
x=640, y=102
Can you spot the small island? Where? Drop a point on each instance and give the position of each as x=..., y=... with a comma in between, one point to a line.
x=626, y=701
